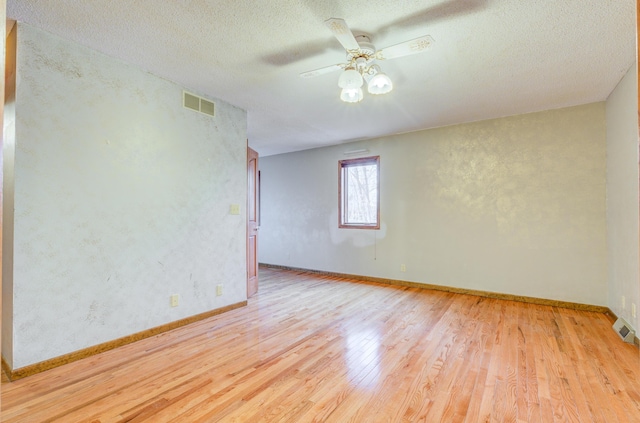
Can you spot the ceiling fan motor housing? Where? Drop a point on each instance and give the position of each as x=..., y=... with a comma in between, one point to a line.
x=366, y=51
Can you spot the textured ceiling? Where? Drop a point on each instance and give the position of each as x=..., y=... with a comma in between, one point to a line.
x=491, y=58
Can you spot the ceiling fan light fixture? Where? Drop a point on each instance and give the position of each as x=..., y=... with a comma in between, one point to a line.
x=361, y=57
x=351, y=95
x=350, y=79
x=380, y=83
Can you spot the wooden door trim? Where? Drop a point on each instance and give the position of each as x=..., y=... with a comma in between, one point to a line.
x=253, y=212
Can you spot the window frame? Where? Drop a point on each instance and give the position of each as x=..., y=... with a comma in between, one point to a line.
x=342, y=164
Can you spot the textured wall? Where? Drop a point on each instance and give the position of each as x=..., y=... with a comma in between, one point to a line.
x=121, y=199
x=622, y=196
x=513, y=205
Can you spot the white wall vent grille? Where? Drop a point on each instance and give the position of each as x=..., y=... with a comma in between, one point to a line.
x=197, y=103
x=624, y=330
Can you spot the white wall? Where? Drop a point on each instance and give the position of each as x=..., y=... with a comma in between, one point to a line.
x=513, y=205
x=622, y=196
x=121, y=199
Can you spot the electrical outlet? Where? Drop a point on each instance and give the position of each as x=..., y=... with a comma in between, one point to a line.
x=633, y=310
x=403, y=267
x=234, y=209
x=174, y=300
x=219, y=290
x=622, y=301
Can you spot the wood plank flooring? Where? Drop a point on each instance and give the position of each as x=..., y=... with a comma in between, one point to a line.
x=311, y=348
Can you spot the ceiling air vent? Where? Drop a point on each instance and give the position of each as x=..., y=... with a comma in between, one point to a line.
x=199, y=104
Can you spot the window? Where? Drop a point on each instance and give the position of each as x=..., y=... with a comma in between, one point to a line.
x=359, y=193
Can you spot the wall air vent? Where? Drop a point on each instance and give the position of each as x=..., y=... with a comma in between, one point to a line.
x=206, y=107
x=199, y=104
x=624, y=330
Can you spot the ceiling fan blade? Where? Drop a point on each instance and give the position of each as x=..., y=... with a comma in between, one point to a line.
x=341, y=31
x=322, y=71
x=417, y=45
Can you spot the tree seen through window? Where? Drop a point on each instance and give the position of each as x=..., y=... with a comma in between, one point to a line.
x=359, y=193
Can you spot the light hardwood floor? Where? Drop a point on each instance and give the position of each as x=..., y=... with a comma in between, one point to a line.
x=316, y=348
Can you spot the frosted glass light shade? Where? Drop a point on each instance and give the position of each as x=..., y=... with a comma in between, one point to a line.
x=379, y=84
x=351, y=95
x=350, y=78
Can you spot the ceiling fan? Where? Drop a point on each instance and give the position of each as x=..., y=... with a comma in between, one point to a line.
x=361, y=58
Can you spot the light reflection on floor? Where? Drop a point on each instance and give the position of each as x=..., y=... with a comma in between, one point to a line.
x=363, y=356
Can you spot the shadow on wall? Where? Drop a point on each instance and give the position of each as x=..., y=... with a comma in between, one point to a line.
x=357, y=237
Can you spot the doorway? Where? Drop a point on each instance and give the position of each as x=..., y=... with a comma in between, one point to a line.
x=253, y=221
